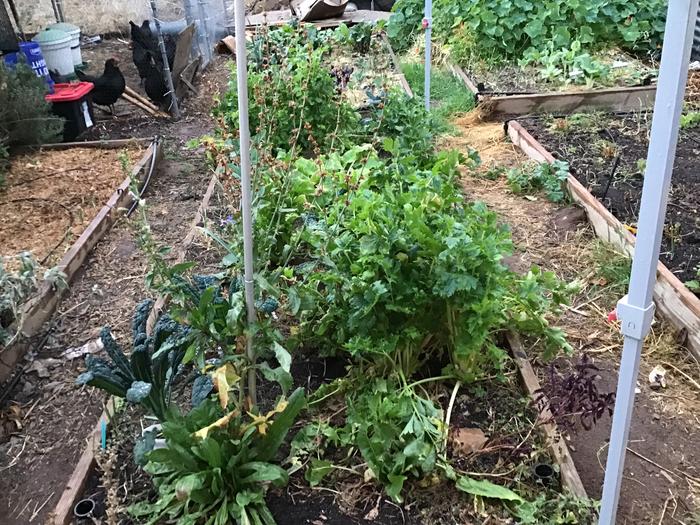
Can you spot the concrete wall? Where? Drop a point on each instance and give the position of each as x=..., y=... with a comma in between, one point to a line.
x=95, y=16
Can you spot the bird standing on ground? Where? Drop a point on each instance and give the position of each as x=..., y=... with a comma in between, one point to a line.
x=108, y=87
x=146, y=51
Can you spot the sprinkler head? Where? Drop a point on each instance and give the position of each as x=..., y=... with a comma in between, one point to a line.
x=84, y=508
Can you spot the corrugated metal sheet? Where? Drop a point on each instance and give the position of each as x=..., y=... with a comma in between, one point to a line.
x=8, y=39
x=696, y=38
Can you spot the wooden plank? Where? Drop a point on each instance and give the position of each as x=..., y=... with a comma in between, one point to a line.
x=397, y=66
x=186, y=78
x=63, y=513
x=613, y=99
x=462, y=75
x=182, y=50
x=282, y=17
x=162, y=303
x=101, y=144
x=40, y=308
x=567, y=468
x=673, y=300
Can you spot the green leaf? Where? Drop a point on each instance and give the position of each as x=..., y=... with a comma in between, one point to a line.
x=318, y=469
x=486, y=489
x=264, y=472
x=138, y=391
x=143, y=446
x=187, y=484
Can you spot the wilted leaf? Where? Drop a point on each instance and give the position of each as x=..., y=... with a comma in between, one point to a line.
x=224, y=378
x=486, y=489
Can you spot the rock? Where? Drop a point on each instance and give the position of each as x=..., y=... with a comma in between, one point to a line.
x=468, y=440
x=657, y=377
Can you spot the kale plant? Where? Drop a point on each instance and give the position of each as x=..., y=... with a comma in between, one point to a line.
x=17, y=283
x=146, y=376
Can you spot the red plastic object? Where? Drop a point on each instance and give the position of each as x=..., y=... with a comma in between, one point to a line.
x=612, y=316
x=69, y=92
x=425, y=23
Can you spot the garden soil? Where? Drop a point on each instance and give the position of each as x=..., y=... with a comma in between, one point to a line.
x=50, y=197
x=590, y=146
x=662, y=471
x=45, y=418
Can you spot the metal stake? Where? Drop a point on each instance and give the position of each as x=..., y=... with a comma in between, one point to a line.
x=246, y=197
x=428, y=26
x=636, y=310
x=205, y=28
x=166, y=66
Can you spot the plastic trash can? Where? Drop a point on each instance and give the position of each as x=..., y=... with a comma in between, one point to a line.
x=73, y=102
x=74, y=32
x=55, y=46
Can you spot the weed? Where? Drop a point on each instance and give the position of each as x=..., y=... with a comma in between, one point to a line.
x=690, y=120
x=448, y=94
x=611, y=267
x=547, y=177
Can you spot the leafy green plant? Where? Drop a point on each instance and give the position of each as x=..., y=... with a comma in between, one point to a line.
x=405, y=23
x=566, y=65
x=17, y=282
x=398, y=433
x=293, y=100
x=218, y=465
x=550, y=178
x=361, y=37
x=146, y=376
x=690, y=119
x=557, y=509
x=25, y=116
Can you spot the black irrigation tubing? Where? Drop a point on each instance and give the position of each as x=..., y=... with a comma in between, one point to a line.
x=616, y=162
x=145, y=185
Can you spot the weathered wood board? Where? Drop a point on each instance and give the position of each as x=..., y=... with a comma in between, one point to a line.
x=40, y=308
x=673, y=300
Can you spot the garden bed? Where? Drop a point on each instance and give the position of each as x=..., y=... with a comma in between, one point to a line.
x=490, y=428
x=76, y=181
x=626, y=137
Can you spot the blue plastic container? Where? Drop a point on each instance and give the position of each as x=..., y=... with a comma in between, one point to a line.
x=32, y=53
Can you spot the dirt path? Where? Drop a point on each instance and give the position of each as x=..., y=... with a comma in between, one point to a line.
x=662, y=480
x=46, y=417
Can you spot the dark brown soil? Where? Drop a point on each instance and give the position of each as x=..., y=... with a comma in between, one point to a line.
x=590, y=147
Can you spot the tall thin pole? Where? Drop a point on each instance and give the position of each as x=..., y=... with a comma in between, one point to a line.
x=428, y=26
x=246, y=198
x=174, y=108
x=636, y=310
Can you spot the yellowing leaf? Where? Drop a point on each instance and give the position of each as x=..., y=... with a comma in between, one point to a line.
x=224, y=378
x=263, y=421
x=219, y=423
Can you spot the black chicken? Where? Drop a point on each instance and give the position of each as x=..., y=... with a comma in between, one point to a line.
x=146, y=51
x=155, y=85
x=108, y=87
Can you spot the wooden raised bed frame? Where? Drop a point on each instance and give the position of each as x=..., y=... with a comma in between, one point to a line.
x=570, y=478
x=609, y=99
x=63, y=512
x=673, y=299
x=41, y=306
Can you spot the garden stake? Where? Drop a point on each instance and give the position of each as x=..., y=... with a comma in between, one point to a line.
x=427, y=25
x=636, y=310
x=246, y=201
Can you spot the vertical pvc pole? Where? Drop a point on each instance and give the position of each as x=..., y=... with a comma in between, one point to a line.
x=246, y=197
x=174, y=108
x=636, y=310
x=428, y=26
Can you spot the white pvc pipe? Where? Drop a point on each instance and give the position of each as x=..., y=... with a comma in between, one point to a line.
x=428, y=25
x=636, y=310
x=246, y=197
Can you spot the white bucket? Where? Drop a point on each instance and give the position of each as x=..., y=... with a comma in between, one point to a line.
x=55, y=46
x=74, y=32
